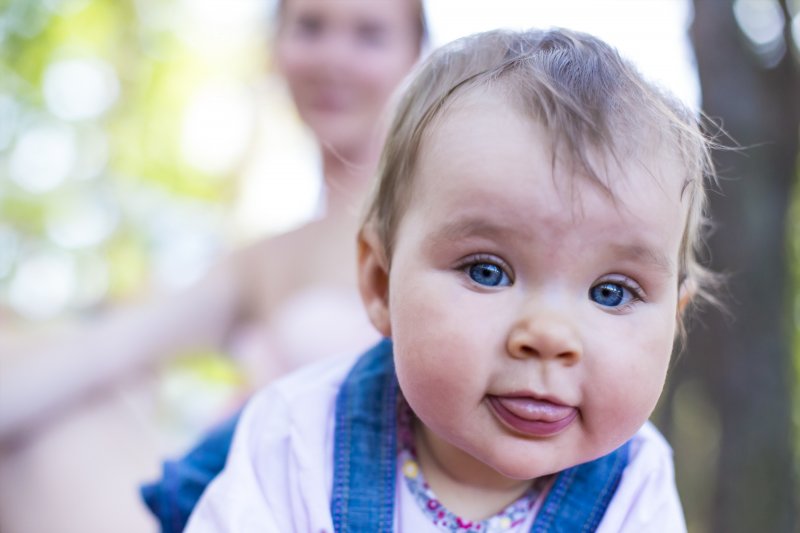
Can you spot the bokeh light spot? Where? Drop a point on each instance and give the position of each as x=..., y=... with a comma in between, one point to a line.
x=82, y=222
x=42, y=285
x=43, y=157
x=762, y=22
x=80, y=89
x=217, y=126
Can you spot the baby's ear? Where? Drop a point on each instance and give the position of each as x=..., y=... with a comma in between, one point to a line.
x=373, y=279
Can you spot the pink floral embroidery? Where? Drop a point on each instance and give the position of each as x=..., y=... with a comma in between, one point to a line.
x=504, y=521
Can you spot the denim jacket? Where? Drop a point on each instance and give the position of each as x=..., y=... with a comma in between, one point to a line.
x=365, y=453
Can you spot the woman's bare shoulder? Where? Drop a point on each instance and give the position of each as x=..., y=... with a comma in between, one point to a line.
x=277, y=253
x=272, y=268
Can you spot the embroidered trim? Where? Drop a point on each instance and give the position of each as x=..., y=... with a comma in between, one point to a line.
x=510, y=517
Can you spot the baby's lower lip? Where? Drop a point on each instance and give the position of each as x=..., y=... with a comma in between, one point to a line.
x=537, y=418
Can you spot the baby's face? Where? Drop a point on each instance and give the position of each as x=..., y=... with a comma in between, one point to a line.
x=532, y=316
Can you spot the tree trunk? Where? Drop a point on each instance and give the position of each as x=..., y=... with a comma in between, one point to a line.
x=743, y=361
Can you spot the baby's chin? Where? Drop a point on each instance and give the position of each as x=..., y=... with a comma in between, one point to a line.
x=542, y=459
x=528, y=470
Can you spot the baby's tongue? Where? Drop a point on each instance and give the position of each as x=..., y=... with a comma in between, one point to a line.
x=532, y=409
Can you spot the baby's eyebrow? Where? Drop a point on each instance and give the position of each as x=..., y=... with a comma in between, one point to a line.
x=472, y=226
x=461, y=227
x=644, y=254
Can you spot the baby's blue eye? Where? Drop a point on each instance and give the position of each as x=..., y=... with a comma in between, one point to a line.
x=610, y=294
x=488, y=274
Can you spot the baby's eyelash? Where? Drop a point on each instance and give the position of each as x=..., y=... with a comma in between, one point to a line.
x=483, y=258
x=616, y=293
x=632, y=286
x=466, y=264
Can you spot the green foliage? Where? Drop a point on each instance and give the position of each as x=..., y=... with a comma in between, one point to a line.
x=139, y=134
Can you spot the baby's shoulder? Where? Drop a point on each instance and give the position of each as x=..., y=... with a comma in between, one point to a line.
x=279, y=471
x=646, y=498
x=650, y=458
x=322, y=377
x=303, y=400
x=648, y=444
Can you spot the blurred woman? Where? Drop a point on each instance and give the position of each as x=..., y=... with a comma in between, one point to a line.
x=70, y=442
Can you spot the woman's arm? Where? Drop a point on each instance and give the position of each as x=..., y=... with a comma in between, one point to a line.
x=43, y=373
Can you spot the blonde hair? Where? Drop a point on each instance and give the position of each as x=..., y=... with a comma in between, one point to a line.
x=583, y=92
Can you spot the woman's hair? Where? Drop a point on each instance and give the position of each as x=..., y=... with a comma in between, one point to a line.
x=591, y=100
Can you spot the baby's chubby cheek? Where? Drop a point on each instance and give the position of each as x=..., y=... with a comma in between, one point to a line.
x=615, y=407
x=422, y=364
x=429, y=357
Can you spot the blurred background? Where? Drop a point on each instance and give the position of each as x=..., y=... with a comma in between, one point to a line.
x=142, y=139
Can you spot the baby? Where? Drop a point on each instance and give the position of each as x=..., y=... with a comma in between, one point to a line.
x=528, y=252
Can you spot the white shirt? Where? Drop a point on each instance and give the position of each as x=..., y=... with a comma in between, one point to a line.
x=279, y=473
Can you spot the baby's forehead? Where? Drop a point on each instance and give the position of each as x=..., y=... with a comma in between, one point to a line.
x=638, y=160
x=486, y=173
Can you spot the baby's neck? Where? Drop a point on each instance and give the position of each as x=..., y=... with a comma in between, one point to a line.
x=462, y=484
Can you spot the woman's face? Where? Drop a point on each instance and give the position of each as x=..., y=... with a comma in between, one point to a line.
x=342, y=60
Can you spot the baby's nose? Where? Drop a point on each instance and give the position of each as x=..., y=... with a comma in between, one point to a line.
x=546, y=336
